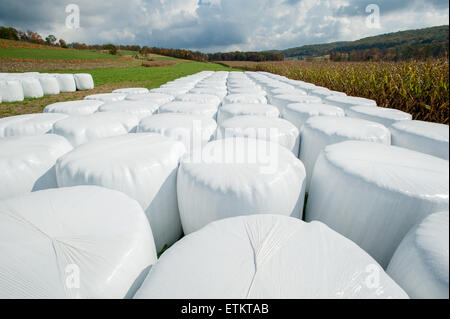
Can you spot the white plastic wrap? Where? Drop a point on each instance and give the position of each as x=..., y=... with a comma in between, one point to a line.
x=324, y=93
x=170, y=91
x=228, y=111
x=320, y=131
x=239, y=176
x=29, y=124
x=382, y=115
x=267, y=257
x=194, y=108
x=82, y=129
x=11, y=91
x=261, y=127
x=192, y=130
x=280, y=101
x=425, y=137
x=84, y=81
x=66, y=82
x=81, y=107
x=107, y=97
x=27, y=163
x=144, y=167
x=140, y=109
x=374, y=194
x=420, y=263
x=49, y=85
x=78, y=242
x=220, y=93
x=32, y=88
x=199, y=98
x=132, y=91
x=154, y=97
x=346, y=102
x=245, y=99
x=299, y=113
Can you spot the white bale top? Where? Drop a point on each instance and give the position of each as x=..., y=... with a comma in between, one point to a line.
x=199, y=98
x=140, y=109
x=383, y=115
x=245, y=99
x=420, y=264
x=265, y=257
x=374, y=194
x=170, y=91
x=107, y=97
x=84, y=81
x=82, y=129
x=281, y=100
x=155, y=97
x=347, y=102
x=324, y=92
x=194, y=108
x=261, y=127
x=239, y=176
x=11, y=91
x=81, y=107
x=29, y=124
x=143, y=166
x=228, y=111
x=78, y=242
x=425, y=137
x=132, y=91
x=27, y=163
x=299, y=113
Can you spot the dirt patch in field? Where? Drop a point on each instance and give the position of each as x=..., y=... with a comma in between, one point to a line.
x=38, y=105
x=159, y=63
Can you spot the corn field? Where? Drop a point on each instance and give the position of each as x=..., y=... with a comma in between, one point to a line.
x=417, y=87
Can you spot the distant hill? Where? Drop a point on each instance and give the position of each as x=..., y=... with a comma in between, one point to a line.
x=418, y=44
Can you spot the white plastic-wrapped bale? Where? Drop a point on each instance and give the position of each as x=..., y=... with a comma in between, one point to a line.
x=266, y=257
x=425, y=137
x=194, y=108
x=81, y=107
x=320, y=131
x=246, y=90
x=420, y=264
x=382, y=115
x=239, y=176
x=155, y=97
x=29, y=124
x=374, y=194
x=193, y=131
x=49, y=85
x=261, y=127
x=140, y=109
x=170, y=91
x=280, y=101
x=131, y=91
x=299, y=113
x=228, y=111
x=281, y=91
x=143, y=166
x=84, y=81
x=31, y=88
x=199, y=98
x=245, y=99
x=11, y=91
x=220, y=93
x=66, y=83
x=78, y=242
x=82, y=129
x=346, y=102
x=27, y=163
x=107, y=97
x=324, y=93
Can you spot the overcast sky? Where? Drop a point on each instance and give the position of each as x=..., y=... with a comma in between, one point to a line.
x=221, y=25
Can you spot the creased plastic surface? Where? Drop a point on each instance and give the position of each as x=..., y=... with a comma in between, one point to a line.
x=84, y=81
x=266, y=256
x=374, y=194
x=11, y=91
x=140, y=109
x=29, y=124
x=49, y=85
x=32, y=88
x=245, y=99
x=194, y=108
x=282, y=100
x=131, y=91
x=81, y=107
x=66, y=82
x=107, y=97
x=81, y=242
x=382, y=115
x=228, y=111
x=299, y=113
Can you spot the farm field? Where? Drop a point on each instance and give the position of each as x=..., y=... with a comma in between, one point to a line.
x=419, y=88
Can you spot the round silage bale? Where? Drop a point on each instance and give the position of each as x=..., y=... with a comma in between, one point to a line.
x=320, y=131
x=81, y=107
x=29, y=124
x=199, y=98
x=374, y=193
x=261, y=127
x=425, y=137
x=194, y=108
x=239, y=176
x=131, y=91
x=107, y=97
x=143, y=166
x=193, y=131
x=281, y=100
x=245, y=99
x=228, y=111
x=346, y=102
x=27, y=163
x=32, y=88
x=84, y=81
x=155, y=97
x=323, y=93
x=66, y=82
x=82, y=129
x=382, y=115
x=170, y=91
x=49, y=85
x=299, y=113
x=267, y=257
x=140, y=109
x=219, y=92
x=11, y=91
x=420, y=264
x=78, y=242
